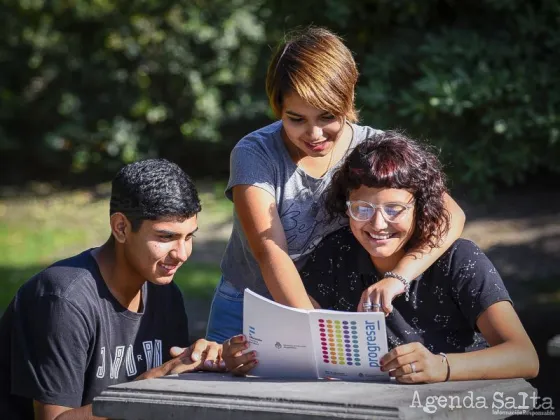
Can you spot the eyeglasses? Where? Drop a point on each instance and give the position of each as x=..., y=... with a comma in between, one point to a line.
x=363, y=211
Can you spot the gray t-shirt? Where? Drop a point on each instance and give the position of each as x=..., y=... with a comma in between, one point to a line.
x=261, y=159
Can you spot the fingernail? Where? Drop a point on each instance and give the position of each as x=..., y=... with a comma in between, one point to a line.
x=222, y=364
x=208, y=363
x=195, y=356
x=255, y=362
x=246, y=345
x=176, y=349
x=253, y=354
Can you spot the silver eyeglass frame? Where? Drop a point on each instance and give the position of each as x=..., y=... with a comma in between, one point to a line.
x=375, y=207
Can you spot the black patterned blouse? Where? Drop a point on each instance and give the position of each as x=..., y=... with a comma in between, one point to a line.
x=445, y=302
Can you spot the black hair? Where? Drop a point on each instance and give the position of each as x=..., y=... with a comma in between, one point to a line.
x=153, y=189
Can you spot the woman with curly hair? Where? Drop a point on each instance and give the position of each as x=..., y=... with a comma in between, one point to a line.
x=457, y=322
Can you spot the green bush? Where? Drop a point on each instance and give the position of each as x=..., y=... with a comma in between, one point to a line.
x=100, y=83
x=93, y=84
x=477, y=79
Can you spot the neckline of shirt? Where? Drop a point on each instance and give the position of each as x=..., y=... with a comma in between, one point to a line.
x=119, y=308
x=302, y=173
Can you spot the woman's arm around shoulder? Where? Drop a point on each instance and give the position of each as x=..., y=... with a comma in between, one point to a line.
x=416, y=261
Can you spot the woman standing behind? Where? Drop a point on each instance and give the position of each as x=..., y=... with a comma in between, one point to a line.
x=277, y=177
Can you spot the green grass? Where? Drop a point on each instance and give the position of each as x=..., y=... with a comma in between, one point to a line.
x=198, y=280
x=39, y=229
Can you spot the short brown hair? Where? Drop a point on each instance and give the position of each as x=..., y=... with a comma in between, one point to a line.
x=315, y=64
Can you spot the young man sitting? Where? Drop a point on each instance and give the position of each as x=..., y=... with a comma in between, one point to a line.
x=110, y=314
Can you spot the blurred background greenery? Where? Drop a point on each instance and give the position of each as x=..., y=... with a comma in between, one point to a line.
x=88, y=85
x=47, y=224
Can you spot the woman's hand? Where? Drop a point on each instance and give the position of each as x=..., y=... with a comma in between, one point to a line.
x=413, y=363
x=236, y=362
x=381, y=295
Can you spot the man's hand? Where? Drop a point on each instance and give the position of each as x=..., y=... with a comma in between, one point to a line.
x=236, y=362
x=201, y=355
x=207, y=354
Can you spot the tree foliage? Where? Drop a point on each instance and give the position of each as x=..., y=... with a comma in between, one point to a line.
x=96, y=83
x=101, y=82
x=477, y=79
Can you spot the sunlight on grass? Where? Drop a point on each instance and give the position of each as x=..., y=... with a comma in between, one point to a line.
x=36, y=231
x=24, y=245
x=197, y=280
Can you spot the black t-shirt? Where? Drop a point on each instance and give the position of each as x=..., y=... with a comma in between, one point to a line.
x=445, y=302
x=65, y=338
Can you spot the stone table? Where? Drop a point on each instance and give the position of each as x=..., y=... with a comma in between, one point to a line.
x=220, y=396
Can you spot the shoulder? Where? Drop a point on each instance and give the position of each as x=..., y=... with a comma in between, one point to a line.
x=265, y=138
x=362, y=132
x=463, y=249
x=462, y=254
x=64, y=294
x=258, y=159
x=68, y=278
x=465, y=246
x=261, y=150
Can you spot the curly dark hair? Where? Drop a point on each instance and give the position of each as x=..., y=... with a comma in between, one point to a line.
x=152, y=189
x=390, y=159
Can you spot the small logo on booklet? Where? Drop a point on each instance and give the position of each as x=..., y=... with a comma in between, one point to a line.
x=253, y=338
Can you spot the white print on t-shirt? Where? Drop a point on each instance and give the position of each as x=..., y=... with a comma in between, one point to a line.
x=129, y=362
x=116, y=363
x=152, y=352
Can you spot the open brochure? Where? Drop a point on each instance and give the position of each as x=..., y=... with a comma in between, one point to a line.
x=297, y=343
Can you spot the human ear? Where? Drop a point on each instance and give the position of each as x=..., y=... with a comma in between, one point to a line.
x=120, y=227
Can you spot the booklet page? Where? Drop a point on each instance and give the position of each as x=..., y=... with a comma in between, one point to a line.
x=281, y=337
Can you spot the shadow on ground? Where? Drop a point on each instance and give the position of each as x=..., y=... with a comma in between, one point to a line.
x=542, y=323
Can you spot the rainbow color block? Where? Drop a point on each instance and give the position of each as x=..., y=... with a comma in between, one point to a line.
x=339, y=342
